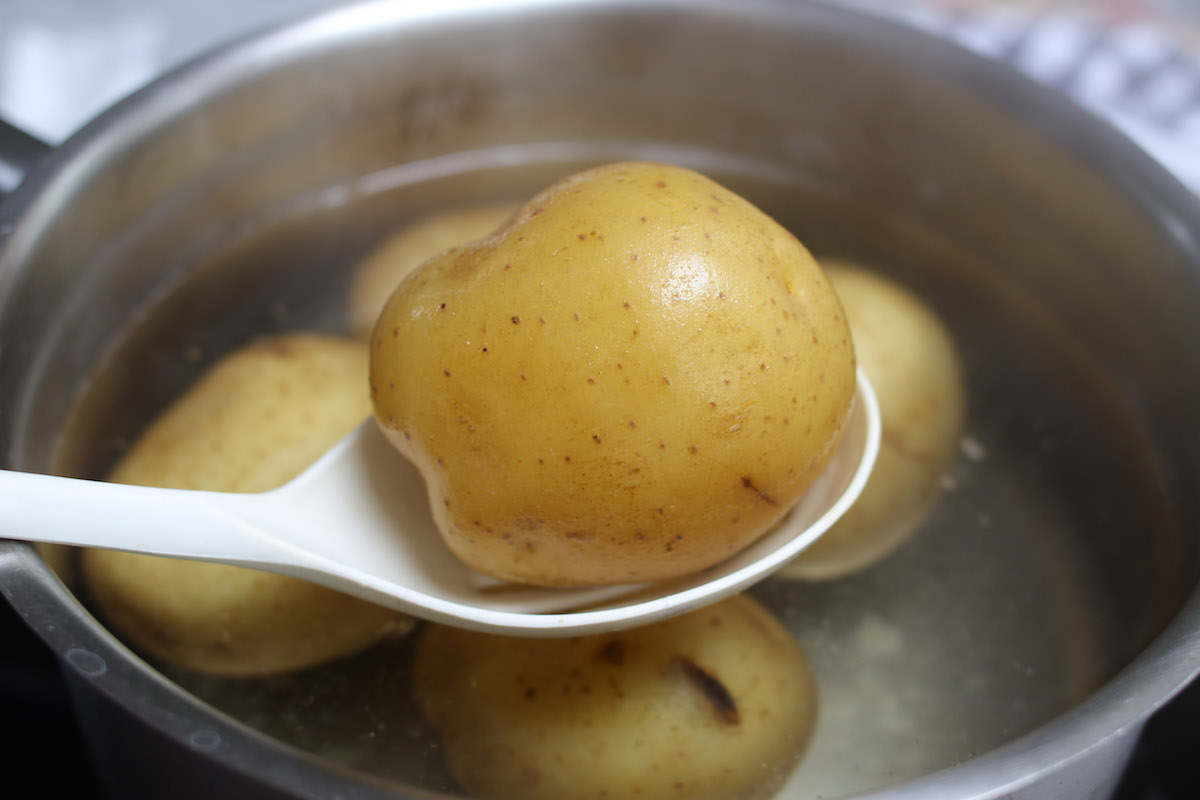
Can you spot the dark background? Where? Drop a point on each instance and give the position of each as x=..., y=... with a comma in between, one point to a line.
x=39, y=738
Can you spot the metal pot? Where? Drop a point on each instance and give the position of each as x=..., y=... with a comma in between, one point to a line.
x=1013, y=649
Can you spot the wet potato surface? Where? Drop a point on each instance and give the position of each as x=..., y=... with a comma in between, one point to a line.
x=631, y=380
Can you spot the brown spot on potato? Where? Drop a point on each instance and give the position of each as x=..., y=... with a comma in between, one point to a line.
x=748, y=483
x=714, y=692
x=613, y=652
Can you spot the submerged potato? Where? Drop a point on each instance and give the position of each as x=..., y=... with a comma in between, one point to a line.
x=253, y=422
x=717, y=703
x=389, y=263
x=633, y=379
x=912, y=362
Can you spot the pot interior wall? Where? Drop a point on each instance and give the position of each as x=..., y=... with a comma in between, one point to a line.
x=236, y=200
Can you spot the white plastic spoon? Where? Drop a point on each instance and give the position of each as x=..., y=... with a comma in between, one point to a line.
x=358, y=521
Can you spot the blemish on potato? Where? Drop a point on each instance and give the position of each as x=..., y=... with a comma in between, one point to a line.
x=613, y=651
x=712, y=690
x=748, y=483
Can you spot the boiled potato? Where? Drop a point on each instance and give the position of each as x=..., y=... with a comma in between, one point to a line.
x=390, y=262
x=911, y=360
x=633, y=379
x=253, y=422
x=717, y=703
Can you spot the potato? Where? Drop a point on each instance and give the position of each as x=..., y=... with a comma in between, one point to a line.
x=717, y=703
x=389, y=263
x=253, y=422
x=633, y=379
x=910, y=358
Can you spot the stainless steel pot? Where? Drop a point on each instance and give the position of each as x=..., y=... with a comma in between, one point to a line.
x=1013, y=649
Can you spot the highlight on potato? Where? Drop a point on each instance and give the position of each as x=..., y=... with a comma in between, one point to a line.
x=632, y=379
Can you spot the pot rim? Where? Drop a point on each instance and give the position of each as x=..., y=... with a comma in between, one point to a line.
x=1120, y=706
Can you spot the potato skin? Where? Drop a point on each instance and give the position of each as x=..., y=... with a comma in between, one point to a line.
x=393, y=259
x=254, y=421
x=717, y=703
x=914, y=367
x=633, y=379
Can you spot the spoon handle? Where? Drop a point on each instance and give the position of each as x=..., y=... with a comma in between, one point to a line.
x=206, y=526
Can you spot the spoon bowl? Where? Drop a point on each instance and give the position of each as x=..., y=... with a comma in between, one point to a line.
x=358, y=521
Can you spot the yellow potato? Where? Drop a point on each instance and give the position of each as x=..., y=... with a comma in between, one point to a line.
x=253, y=422
x=718, y=703
x=912, y=362
x=389, y=263
x=633, y=379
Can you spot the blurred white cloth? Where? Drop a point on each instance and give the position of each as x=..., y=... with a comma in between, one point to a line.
x=1133, y=74
x=64, y=61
